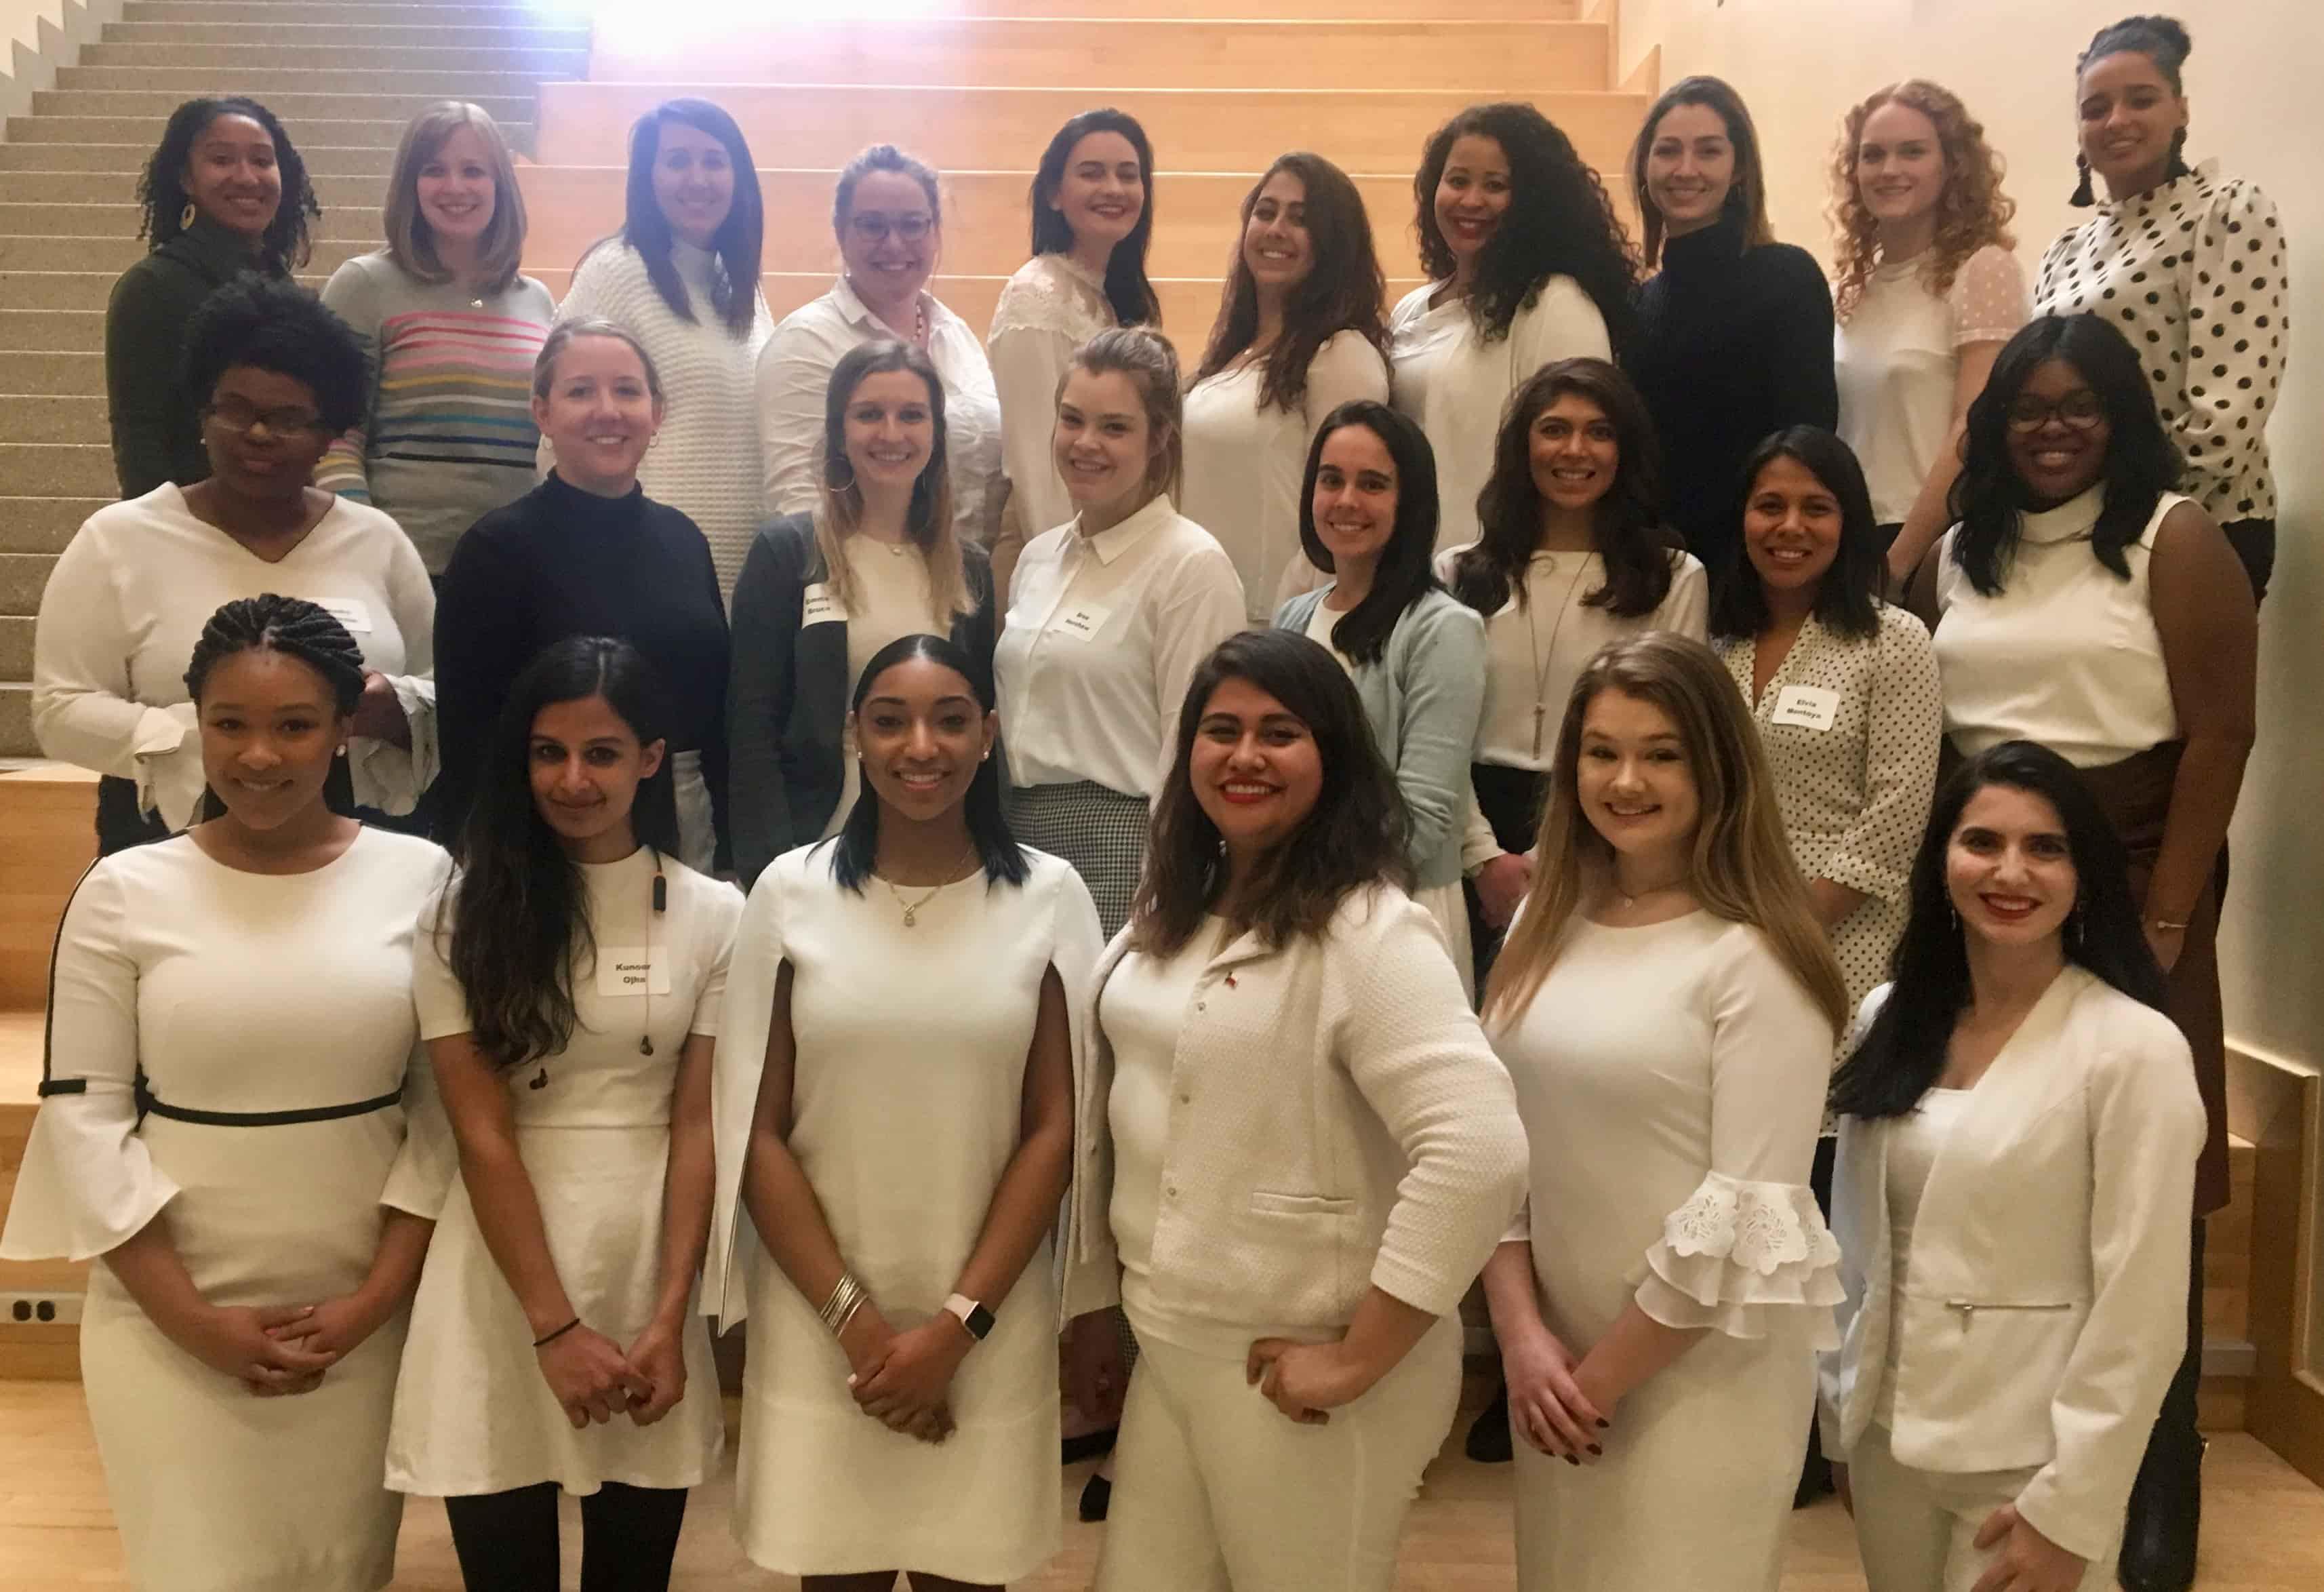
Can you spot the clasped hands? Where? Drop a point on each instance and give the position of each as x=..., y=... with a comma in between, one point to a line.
x=903, y=1380
x=278, y=1351
x=1552, y=1405
x=593, y=1378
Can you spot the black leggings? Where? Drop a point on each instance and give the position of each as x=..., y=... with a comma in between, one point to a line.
x=507, y=1541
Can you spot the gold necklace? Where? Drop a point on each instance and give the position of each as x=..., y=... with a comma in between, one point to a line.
x=912, y=908
x=1541, y=663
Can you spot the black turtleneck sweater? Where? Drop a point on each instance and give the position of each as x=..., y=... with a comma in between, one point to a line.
x=560, y=562
x=156, y=434
x=1733, y=344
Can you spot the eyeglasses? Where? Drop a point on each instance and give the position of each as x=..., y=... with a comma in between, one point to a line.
x=875, y=228
x=2083, y=410
x=233, y=415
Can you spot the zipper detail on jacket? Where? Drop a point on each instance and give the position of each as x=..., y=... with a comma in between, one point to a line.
x=1970, y=1308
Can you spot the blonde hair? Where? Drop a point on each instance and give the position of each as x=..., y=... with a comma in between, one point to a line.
x=1972, y=212
x=1147, y=360
x=927, y=519
x=1742, y=867
x=408, y=244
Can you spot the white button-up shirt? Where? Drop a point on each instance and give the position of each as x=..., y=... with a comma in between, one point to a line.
x=1103, y=635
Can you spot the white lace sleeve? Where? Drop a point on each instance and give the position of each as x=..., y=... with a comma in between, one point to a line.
x=1734, y=1252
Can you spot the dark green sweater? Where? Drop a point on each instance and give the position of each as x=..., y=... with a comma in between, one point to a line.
x=156, y=434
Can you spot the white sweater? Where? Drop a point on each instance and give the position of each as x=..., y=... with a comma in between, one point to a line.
x=706, y=462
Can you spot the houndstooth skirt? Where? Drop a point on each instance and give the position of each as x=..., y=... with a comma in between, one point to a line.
x=1100, y=831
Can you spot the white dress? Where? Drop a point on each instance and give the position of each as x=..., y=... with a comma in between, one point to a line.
x=473, y=1412
x=704, y=463
x=130, y=596
x=185, y=986
x=1671, y=1081
x=1455, y=385
x=906, y=1102
x=1245, y=464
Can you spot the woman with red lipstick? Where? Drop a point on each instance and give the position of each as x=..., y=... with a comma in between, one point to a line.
x=1666, y=1004
x=2084, y=604
x=280, y=375
x=1927, y=291
x=2018, y=1135
x=569, y=984
x=2189, y=266
x=1295, y=1150
x=1527, y=264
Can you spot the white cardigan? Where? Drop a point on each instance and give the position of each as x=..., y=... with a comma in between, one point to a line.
x=1337, y=1123
x=2044, y=1301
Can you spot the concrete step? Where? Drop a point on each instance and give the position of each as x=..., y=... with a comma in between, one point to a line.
x=16, y=731
x=1112, y=53
x=188, y=80
x=55, y=469
x=15, y=647
x=120, y=188
x=994, y=129
x=267, y=51
x=337, y=35
x=129, y=158
x=102, y=220
x=117, y=130
x=46, y=418
x=44, y=524
x=60, y=332
x=296, y=109
x=52, y=371
x=92, y=290
x=22, y=577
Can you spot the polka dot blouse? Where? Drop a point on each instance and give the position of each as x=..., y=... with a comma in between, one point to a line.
x=2192, y=272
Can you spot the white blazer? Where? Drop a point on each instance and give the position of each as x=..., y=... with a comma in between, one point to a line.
x=2044, y=1302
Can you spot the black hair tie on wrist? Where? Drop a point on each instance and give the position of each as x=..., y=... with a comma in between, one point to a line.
x=561, y=1331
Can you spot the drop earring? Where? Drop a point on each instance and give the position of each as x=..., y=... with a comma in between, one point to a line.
x=2083, y=198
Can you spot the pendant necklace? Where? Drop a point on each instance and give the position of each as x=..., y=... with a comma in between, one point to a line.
x=1541, y=662
x=912, y=908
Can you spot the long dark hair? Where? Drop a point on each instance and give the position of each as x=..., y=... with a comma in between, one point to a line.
x=1404, y=575
x=1340, y=292
x=2163, y=40
x=1633, y=539
x=1747, y=197
x=739, y=240
x=856, y=847
x=1903, y=1053
x=519, y=910
x=1355, y=838
x=161, y=196
x=296, y=628
x=1560, y=222
x=1126, y=287
x=2142, y=461
x=1847, y=598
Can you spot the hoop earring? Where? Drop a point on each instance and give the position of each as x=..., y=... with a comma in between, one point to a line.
x=838, y=486
x=186, y=217
x=2083, y=198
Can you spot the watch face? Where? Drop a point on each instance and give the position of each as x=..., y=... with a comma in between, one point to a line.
x=980, y=1321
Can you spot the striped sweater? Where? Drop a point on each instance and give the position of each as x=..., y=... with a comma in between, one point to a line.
x=448, y=435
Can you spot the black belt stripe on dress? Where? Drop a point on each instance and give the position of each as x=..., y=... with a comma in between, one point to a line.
x=51, y=1085
x=148, y=1105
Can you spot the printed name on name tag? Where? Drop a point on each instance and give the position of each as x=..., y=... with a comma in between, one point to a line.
x=632, y=970
x=354, y=615
x=1083, y=621
x=819, y=606
x=1814, y=707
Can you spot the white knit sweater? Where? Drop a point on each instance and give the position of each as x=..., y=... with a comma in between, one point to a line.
x=706, y=462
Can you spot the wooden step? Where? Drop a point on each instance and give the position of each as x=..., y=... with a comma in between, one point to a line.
x=48, y=838
x=47, y=418
x=122, y=221
x=22, y=574
x=16, y=641
x=1000, y=129
x=90, y=265
x=129, y=157
x=59, y=469
x=269, y=51
x=263, y=84
x=1112, y=53
x=296, y=109
x=342, y=34
x=456, y=11
x=120, y=130
x=17, y=720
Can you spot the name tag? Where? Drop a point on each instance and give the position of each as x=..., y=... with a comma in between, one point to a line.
x=819, y=606
x=352, y=616
x=1812, y=708
x=1082, y=621
x=632, y=970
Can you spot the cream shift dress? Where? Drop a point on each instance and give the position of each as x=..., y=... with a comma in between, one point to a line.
x=906, y=1102
x=228, y=1048
x=473, y=1412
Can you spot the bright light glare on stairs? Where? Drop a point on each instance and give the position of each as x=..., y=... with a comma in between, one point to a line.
x=633, y=30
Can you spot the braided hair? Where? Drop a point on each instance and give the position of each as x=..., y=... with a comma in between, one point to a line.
x=161, y=197
x=2163, y=40
x=296, y=628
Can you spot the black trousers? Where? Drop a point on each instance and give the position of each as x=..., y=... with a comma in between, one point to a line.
x=2255, y=544
x=507, y=1541
x=2174, y=1449
x=1510, y=800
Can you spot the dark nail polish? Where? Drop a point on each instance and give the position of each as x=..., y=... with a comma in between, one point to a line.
x=1596, y=1450
x=1605, y=1426
x=1569, y=1459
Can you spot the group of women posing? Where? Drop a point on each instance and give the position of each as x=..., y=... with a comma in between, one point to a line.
x=1483, y=723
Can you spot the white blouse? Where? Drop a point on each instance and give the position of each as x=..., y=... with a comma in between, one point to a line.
x=704, y=463
x=1050, y=308
x=2065, y=654
x=130, y=596
x=1897, y=358
x=1245, y=463
x=1915, y=1140
x=794, y=370
x=2192, y=272
x=1455, y=385
x=1103, y=635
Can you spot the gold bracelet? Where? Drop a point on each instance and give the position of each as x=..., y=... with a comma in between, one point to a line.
x=846, y=1298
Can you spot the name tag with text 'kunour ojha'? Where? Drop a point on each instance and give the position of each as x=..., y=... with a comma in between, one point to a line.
x=632, y=970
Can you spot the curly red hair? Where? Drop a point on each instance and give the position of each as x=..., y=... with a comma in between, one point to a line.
x=1971, y=212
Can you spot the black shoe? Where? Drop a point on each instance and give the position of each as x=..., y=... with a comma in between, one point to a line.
x=1097, y=1496
x=2165, y=1519
x=1488, y=1442
x=1089, y=1445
